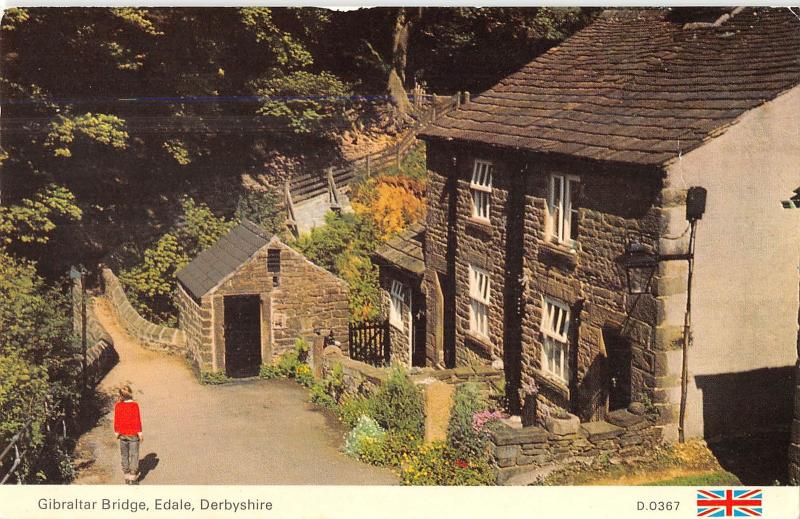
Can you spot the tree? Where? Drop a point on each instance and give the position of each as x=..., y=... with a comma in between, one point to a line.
x=38, y=368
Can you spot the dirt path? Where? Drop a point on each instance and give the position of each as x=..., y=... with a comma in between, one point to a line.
x=255, y=432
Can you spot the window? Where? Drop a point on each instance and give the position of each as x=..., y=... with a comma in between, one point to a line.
x=563, y=209
x=397, y=297
x=274, y=265
x=555, y=329
x=481, y=187
x=479, y=301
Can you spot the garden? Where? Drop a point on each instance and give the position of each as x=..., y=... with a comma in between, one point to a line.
x=387, y=422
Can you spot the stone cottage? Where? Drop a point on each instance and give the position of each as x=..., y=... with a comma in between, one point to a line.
x=541, y=186
x=402, y=267
x=244, y=300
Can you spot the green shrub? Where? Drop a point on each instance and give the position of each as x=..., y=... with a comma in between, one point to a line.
x=303, y=375
x=466, y=441
x=366, y=432
x=319, y=396
x=438, y=464
x=269, y=372
x=392, y=451
x=352, y=408
x=397, y=404
x=213, y=378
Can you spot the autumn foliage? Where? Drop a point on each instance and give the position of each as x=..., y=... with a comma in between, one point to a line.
x=393, y=202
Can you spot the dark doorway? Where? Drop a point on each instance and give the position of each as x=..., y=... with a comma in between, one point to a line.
x=619, y=369
x=242, y=336
x=449, y=315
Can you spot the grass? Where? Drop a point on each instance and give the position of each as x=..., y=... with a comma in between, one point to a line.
x=689, y=464
x=718, y=477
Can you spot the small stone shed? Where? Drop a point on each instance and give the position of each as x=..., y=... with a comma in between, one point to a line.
x=244, y=300
x=402, y=267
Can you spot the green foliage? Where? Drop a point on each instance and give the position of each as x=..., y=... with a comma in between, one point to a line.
x=269, y=372
x=12, y=17
x=392, y=451
x=366, y=432
x=305, y=102
x=329, y=389
x=213, y=378
x=291, y=364
x=102, y=128
x=34, y=219
x=461, y=435
x=263, y=208
x=38, y=366
x=343, y=246
x=259, y=21
x=437, y=464
x=151, y=284
x=706, y=479
x=353, y=407
x=397, y=404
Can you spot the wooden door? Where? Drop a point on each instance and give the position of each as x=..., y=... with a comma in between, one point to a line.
x=242, y=336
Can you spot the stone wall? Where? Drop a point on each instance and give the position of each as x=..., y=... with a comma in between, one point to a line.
x=525, y=266
x=195, y=320
x=100, y=354
x=148, y=334
x=519, y=450
x=300, y=299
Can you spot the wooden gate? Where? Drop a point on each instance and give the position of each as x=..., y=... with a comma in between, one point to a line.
x=369, y=342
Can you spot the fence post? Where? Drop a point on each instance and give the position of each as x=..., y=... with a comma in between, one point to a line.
x=397, y=156
x=466, y=97
x=435, y=100
x=458, y=100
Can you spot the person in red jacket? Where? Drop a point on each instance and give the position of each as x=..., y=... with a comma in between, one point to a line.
x=128, y=429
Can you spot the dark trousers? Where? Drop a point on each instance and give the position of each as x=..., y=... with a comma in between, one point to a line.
x=129, y=452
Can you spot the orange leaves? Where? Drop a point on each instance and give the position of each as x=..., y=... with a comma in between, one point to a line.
x=393, y=202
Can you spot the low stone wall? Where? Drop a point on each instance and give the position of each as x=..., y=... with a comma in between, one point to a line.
x=518, y=450
x=487, y=377
x=100, y=358
x=356, y=373
x=148, y=334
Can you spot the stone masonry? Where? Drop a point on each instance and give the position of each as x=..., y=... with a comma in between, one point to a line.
x=306, y=297
x=148, y=334
x=525, y=266
x=522, y=450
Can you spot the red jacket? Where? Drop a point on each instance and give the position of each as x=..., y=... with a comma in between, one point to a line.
x=127, y=420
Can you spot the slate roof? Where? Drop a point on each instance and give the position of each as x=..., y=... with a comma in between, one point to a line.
x=405, y=250
x=215, y=263
x=636, y=86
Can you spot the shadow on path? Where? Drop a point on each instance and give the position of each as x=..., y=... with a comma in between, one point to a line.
x=147, y=464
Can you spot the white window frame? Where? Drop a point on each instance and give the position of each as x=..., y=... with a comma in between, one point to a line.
x=555, y=338
x=480, y=298
x=561, y=209
x=481, y=189
x=397, y=297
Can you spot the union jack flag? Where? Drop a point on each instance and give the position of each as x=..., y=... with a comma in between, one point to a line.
x=729, y=503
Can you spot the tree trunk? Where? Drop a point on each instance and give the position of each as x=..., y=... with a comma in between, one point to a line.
x=404, y=23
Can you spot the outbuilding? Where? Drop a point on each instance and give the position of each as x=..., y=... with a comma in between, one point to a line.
x=246, y=299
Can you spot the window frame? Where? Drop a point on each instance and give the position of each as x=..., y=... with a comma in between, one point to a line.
x=397, y=298
x=555, y=329
x=559, y=228
x=480, y=186
x=480, y=300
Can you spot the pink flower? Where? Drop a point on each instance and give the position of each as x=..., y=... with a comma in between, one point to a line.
x=481, y=418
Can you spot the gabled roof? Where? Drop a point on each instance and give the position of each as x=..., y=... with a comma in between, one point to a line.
x=637, y=86
x=404, y=250
x=215, y=263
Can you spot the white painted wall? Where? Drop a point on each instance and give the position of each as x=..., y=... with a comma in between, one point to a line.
x=745, y=299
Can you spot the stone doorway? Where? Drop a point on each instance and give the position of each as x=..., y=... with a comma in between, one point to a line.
x=618, y=381
x=242, y=335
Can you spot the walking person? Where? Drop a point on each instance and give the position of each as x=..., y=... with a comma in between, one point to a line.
x=128, y=430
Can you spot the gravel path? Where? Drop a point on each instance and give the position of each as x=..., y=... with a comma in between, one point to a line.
x=253, y=432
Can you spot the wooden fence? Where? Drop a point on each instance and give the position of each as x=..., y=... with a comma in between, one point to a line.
x=369, y=342
x=309, y=185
